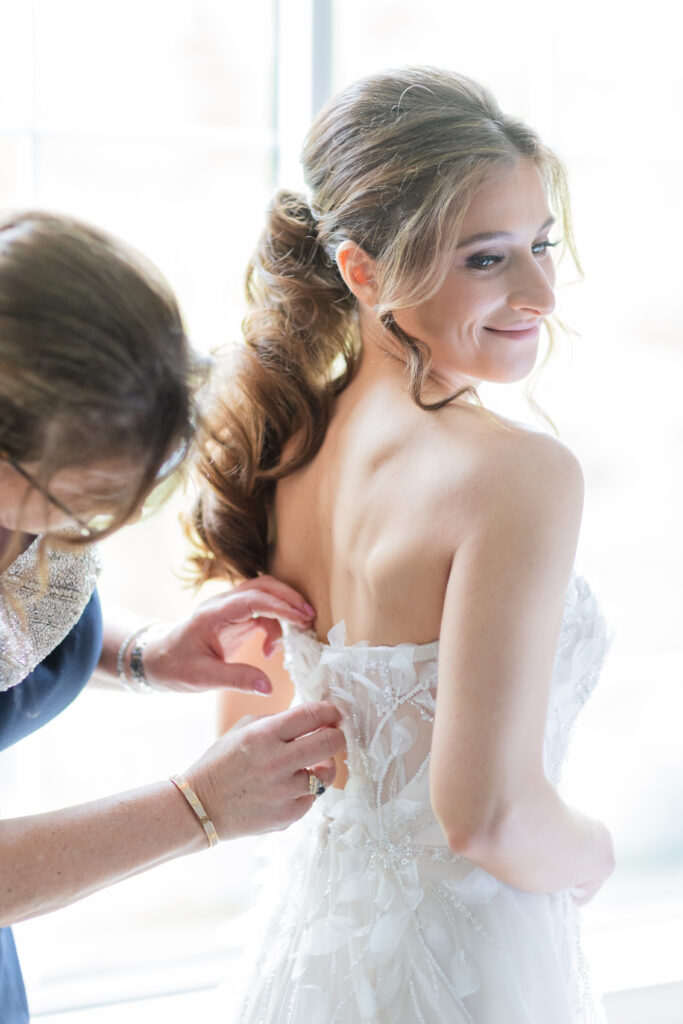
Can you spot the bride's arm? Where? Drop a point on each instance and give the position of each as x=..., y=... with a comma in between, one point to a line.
x=501, y=621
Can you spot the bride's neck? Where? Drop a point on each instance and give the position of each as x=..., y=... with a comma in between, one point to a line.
x=382, y=354
x=384, y=358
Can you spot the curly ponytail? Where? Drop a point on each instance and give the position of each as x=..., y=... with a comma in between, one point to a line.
x=300, y=351
x=392, y=164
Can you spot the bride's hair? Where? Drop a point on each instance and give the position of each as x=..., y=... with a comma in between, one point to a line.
x=391, y=163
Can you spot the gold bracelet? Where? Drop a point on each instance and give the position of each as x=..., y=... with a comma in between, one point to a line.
x=197, y=806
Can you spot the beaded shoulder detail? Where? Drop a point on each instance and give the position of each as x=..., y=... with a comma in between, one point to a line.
x=42, y=595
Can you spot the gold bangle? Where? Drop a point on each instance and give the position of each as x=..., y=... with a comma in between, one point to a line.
x=197, y=806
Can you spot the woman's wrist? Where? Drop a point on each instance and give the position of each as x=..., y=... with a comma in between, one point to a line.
x=197, y=807
x=130, y=666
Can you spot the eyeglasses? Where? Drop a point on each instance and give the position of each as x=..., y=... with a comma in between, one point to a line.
x=83, y=528
x=102, y=521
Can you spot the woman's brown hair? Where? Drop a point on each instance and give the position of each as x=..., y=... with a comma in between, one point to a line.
x=391, y=163
x=94, y=362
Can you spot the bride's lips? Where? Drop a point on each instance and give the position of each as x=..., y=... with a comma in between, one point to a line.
x=524, y=333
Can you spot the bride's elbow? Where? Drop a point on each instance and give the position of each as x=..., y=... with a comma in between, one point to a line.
x=471, y=843
x=485, y=824
x=471, y=832
x=480, y=845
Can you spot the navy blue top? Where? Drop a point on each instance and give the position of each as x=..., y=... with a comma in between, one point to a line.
x=24, y=708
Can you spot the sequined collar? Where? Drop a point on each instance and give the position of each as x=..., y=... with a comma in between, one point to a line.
x=42, y=595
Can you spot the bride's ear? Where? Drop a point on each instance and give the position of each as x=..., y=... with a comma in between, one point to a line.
x=358, y=271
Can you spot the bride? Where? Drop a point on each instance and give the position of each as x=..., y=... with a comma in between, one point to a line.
x=348, y=453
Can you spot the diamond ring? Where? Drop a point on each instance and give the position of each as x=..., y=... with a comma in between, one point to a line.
x=316, y=787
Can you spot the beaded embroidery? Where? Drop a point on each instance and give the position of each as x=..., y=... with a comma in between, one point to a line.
x=43, y=594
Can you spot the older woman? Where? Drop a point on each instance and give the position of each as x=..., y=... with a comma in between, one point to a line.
x=96, y=382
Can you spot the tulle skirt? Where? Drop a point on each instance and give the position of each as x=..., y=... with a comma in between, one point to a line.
x=354, y=931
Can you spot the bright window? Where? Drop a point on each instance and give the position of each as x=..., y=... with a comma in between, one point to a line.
x=157, y=120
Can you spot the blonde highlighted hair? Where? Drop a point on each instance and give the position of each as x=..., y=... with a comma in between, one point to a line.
x=391, y=163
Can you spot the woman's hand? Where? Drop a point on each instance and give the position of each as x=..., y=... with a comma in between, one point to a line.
x=255, y=778
x=585, y=892
x=193, y=654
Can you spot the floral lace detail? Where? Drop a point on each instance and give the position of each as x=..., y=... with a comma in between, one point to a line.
x=381, y=922
x=580, y=655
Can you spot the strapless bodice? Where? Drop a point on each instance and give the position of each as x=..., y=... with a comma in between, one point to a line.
x=387, y=695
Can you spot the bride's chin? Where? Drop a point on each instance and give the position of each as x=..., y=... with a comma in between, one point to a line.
x=511, y=371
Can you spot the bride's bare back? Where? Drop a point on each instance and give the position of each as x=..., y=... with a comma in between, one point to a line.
x=368, y=529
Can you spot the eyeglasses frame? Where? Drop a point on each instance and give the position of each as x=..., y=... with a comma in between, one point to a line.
x=83, y=528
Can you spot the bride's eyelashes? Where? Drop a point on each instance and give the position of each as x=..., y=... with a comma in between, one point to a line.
x=539, y=248
x=488, y=260
x=484, y=260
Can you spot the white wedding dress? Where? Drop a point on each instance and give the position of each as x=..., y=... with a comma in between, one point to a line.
x=370, y=918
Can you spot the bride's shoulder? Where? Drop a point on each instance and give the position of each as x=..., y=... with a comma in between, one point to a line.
x=502, y=460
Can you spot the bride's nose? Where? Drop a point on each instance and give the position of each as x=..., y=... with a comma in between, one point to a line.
x=533, y=290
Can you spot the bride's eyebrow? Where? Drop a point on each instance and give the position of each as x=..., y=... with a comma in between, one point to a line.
x=488, y=236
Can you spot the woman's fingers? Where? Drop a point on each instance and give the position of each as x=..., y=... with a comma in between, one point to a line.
x=291, y=762
x=306, y=718
x=264, y=597
x=311, y=736
x=237, y=619
x=318, y=746
x=235, y=676
x=255, y=778
x=254, y=604
x=193, y=654
x=273, y=635
x=270, y=585
x=584, y=893
x=245, y=720
x=325, y=772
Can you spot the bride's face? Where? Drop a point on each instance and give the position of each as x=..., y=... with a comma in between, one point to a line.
x=484, y=321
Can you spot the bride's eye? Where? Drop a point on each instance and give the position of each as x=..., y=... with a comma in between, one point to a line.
x=483, y=260
x=540, y=248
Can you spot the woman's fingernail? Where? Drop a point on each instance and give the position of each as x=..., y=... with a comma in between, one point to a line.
x=263, y=686
x=309, y=611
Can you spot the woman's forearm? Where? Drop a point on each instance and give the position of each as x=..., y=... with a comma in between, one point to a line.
x=253, y=779
x=50, y=860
